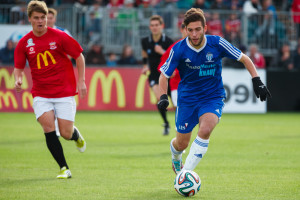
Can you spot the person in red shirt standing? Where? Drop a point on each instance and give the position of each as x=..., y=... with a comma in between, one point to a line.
x=54, y=83
x=175, y=79
x=296, y=15
x=214, y=26
x=257, y=58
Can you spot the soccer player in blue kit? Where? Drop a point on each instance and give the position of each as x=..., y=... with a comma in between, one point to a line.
x=200, y=93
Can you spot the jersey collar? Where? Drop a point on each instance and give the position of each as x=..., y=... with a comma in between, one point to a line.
x=162, y=38
x=191, y=47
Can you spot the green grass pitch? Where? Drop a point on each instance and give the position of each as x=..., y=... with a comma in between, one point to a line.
x=250, y=156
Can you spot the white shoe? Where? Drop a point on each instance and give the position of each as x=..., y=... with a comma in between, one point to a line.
x=80, y=143
x=64, y=173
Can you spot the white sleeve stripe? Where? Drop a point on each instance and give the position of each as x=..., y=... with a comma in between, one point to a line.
x=230, y=49
x=164, y=73
x=239, y=58
x=233, y=53
x=166, y=66
x=230, y=46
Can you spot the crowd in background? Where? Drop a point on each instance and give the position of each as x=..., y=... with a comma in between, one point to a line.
x=229, y=28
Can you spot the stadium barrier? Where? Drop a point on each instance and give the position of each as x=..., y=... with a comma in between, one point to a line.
x=124, y=89
x=115, y=27
x=284, y=86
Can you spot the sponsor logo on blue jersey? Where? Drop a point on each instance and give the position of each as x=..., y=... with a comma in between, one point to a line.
x=204, y=70
x=209, y=57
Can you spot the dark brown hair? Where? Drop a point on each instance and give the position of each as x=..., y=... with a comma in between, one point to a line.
x=158, y=18
x=193, y=15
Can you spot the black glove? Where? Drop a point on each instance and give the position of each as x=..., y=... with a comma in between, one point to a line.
x=261, y=91
x=163, y=103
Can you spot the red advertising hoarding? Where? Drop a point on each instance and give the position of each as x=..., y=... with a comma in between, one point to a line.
x=108, y=89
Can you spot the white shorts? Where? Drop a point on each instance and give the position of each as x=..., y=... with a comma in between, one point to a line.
x=64, y=108
x=174, y=97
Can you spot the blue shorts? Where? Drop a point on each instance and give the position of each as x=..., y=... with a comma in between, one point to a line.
x=187, y=117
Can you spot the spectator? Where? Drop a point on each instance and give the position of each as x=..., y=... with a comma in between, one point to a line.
x=114, y=4
x=7, y=53
x=202, y=4
x=18, y=14
x=268, y=22
x=95, y=55
x=218, y=5
x=113, y=7
x=127, y=57
x=236, y=4
x=127, y=22
x=81, y=7
x=168, y=14
x=145, y=11
x=251, y=7
x=184, y=4
x=256, y=57
x=111, y=60
x=93, y=27
x=94, y=20
x=296, y=58
x=296, y=15
x=214, y=26
x=233, y=29
x=284, y=58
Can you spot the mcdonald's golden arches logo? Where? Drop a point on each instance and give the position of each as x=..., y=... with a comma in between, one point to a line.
x=44, y=58
x=106, y=84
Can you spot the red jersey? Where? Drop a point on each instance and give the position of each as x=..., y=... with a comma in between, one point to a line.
x=174, y=81
x=233, y=26
x=296, y=11
x=215, y=27
x=258, y=60
x=51, y=70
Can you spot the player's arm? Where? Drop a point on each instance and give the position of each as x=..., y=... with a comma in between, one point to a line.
x=166, y=71
x=249, y=65
x=158, y=49
x=163, y=84
x=145, y=62
x=163, y=89
x=18, y=73
x=19, y=62
x=80, y=64
x=261, y=91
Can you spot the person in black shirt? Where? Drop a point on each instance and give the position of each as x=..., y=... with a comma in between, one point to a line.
x=153, y=47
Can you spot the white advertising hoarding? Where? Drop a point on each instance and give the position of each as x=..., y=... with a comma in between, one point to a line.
x=13, y=32
x=240, y=94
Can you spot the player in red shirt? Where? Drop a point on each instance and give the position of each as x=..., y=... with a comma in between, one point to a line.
x=175, y=79
x=54, y=82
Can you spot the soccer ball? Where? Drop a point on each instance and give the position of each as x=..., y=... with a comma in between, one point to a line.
x=187, y=183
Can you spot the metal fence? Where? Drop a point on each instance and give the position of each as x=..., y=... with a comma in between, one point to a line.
x=115, y=27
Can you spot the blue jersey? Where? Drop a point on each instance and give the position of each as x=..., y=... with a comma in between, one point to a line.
x=200, y=69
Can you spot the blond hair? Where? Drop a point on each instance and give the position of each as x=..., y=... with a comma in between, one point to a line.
x=52, y=11
x=37, y=6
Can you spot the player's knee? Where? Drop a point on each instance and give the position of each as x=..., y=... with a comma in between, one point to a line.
x=66, y=133
x=204, y=132
x=48, y=129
